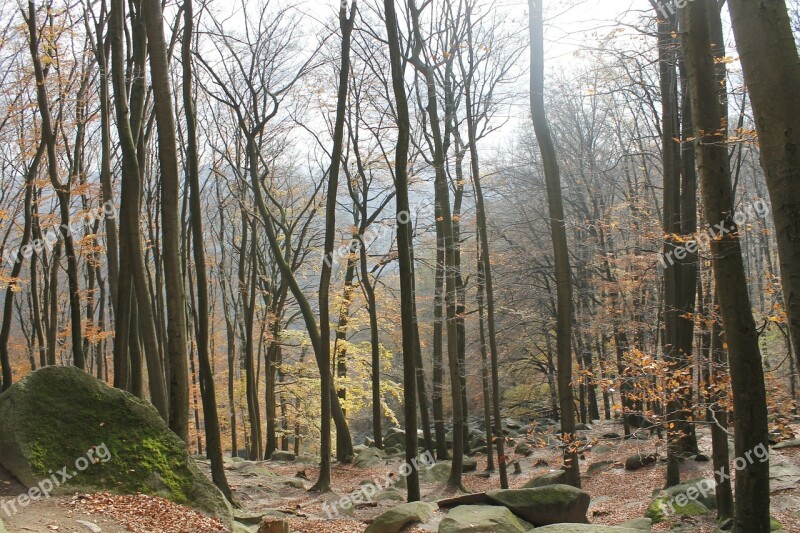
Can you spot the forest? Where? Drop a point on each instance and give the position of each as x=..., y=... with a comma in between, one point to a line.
x=399, y=265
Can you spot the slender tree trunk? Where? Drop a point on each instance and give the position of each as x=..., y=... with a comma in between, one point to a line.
x=132, y=269
x=170, y=222
x=404, y=245
x=207, y=385
x=560, y=250
x=8, y=301
x=747, y=375
x=346, y=25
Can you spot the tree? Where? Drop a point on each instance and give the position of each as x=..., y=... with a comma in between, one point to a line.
x=559, y=238
x=747, y=375
x=404, y=244
x=768, y=54
x=346, y=25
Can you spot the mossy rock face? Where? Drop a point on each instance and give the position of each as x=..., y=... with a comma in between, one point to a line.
x=399, y=517
x=542, y=506
x=482, y=518
x=3, y=527
x=53, y=417
x=368, y=458
x=663, y=507
x=702, y=490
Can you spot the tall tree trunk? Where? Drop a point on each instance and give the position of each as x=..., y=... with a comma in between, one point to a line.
x=176, y=356
x=438, y=338
x=132, y=269
x=768, y=54
x=747, y=375
x=560, y=250
x=207, y=385
x=404, y=245
x=323, y=484
x=62, y=189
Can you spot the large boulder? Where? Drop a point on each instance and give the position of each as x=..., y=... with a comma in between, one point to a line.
x=61, y=419
x=280, y=455
x=399, y=517
x=482, y=518
x=369, y=458
x=542, y=506
x=702, y=489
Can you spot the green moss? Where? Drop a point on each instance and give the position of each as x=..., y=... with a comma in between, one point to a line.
x=657, y=511
x=690, y=509
x=57, y=414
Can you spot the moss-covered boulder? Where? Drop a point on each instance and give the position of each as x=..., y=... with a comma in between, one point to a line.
x=542, y=506
x=702, y=490
x=62, y=424
x=399, y=517
x=663, y=507
x=368, y=458
x=482, y=518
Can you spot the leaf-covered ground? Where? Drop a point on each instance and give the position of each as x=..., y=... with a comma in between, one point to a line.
x=617, y=495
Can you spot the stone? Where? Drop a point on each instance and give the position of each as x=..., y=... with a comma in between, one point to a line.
x=542, y=506
x=477, y=441
x=279, y=455
x=524, y=449
x=248, y=518
x=56, y=415
x=663, y=507
x=390, y=495
x=558, y=477
x=510, y=423
x=639, y=524
x=792, y=443
x=295, y=483
x=599, y=466
x=368, y=458
x=91, y=526
x=584, y=528
x=399, y=517
x=700, y=489
x=602, y=448
x=611, y=435
x=583, y=427
x=395, y=438
x=469, y=465
x=638, y=461
x=482, y=518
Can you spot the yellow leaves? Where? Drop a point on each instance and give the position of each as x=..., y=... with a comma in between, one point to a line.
x=724, y=60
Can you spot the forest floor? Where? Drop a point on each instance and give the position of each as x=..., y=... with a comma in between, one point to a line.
x=617, y=494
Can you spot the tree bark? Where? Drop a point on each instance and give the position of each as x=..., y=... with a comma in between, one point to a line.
x=560, y=250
